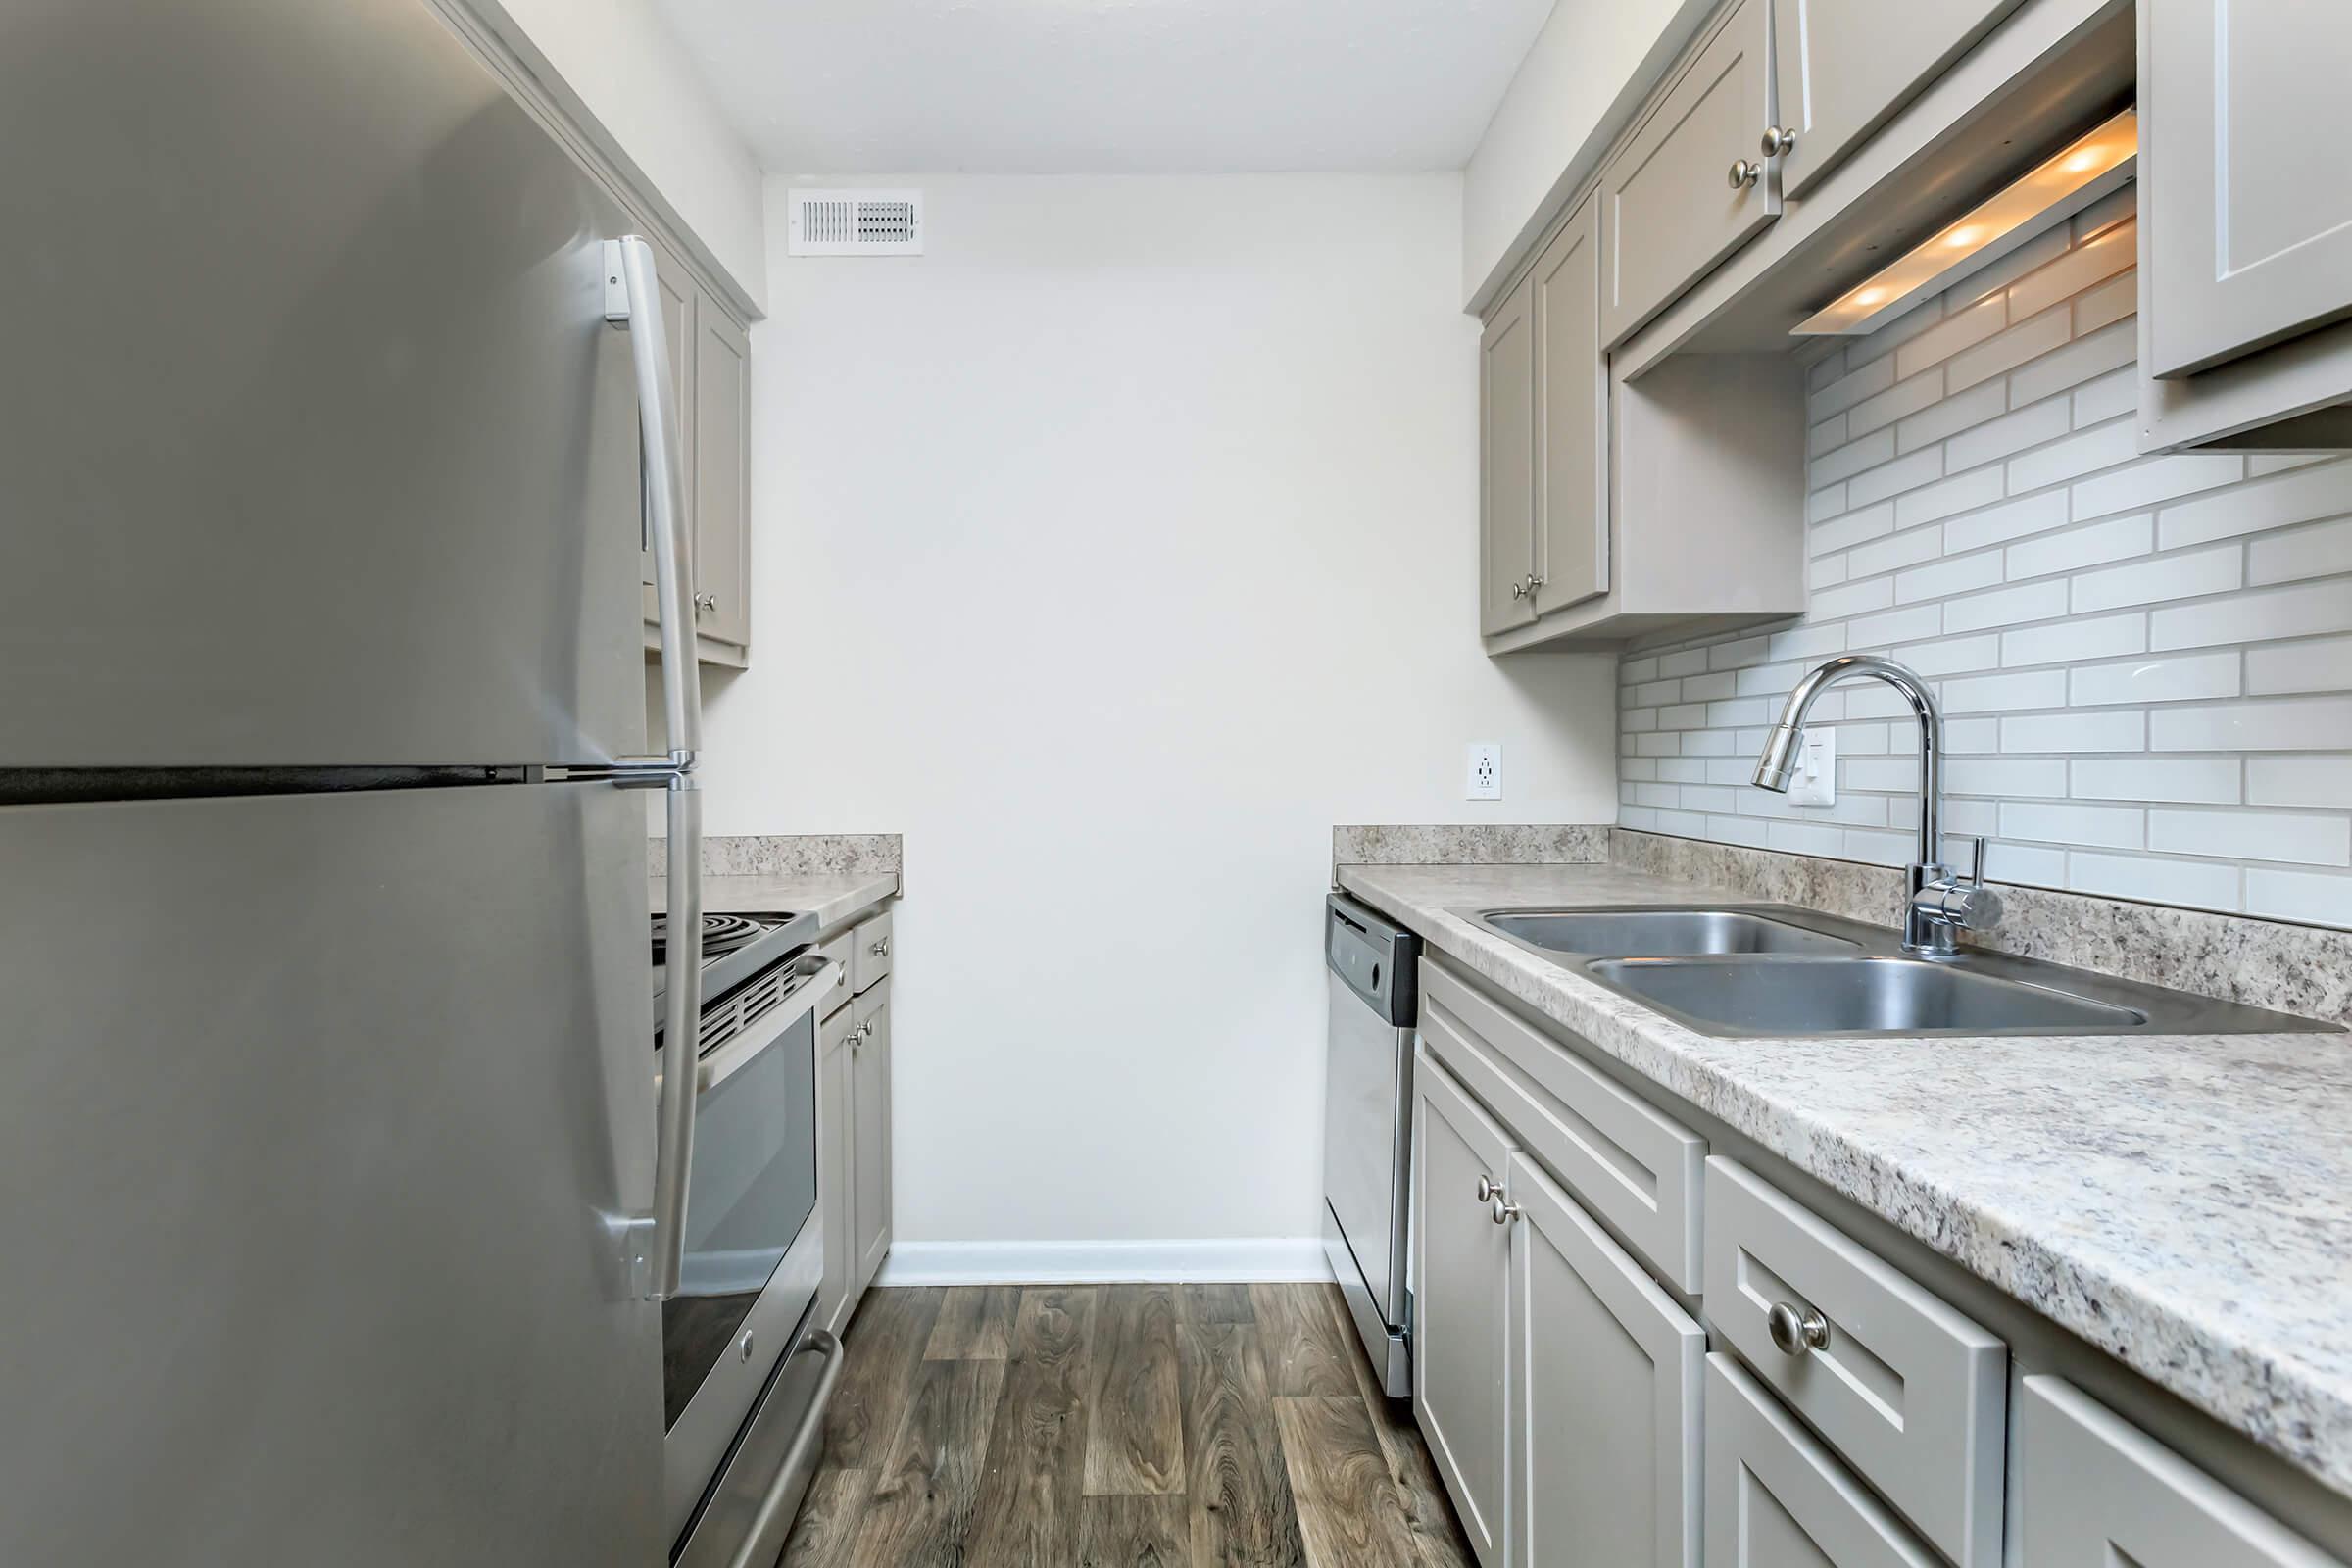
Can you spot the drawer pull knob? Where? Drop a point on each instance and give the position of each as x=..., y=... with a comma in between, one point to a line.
x=1486, y=1190
x=1793, y=1332
x=1506, y=1212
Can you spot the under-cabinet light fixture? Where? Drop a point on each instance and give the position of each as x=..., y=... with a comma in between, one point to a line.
x=2093, y=165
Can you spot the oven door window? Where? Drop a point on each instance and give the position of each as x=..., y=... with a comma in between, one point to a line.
x=751, y=1186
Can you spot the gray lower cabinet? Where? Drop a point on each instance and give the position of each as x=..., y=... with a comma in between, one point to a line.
x=1842, y=68
x=2097, y=1492
x=1462, y=1263
x=869, y=1136
x=1777, y=1499
x=1507, y=464
x=854, y=1128
x=2245, y=229
x=1604, y=1373
x=1675, y=199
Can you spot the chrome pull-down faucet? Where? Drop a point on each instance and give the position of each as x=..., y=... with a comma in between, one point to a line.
x=1939, y=906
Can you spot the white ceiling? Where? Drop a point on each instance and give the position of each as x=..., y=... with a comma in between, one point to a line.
x=1109, y=87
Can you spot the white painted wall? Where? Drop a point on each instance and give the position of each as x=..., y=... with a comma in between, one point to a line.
x=637, y=79
x=1113, y=551
x=1588, y=72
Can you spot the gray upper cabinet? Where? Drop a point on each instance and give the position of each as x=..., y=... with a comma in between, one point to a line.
x=1605, y=1395
x=2097, y=1492
x=1671, y=207
x=1506, y=424
x=2250, y=225
x=1842, y=68
x=1572, y=403
x=1463, y=1260
x=721, y=438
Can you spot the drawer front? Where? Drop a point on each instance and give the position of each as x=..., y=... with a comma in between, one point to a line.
x=1911, y=1393
x=1639, y=1170
x=1777, y=1499
x=870, y=956
x=840, y=948
x=1669, y=212
x=2097, y=1490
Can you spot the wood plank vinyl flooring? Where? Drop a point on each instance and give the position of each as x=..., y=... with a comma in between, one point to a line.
x=1118, y=1425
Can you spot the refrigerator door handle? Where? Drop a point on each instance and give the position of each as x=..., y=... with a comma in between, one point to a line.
x=633, y=298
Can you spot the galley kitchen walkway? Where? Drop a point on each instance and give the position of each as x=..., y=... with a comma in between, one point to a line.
x=1040, y=1426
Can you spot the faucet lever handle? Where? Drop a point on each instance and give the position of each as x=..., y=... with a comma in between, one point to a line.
x=1976, y=856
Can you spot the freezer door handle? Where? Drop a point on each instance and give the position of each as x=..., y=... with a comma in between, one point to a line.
x=633, y=298
x=681, y=1026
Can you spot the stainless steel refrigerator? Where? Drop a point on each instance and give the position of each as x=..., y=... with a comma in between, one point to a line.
x=334, y=1207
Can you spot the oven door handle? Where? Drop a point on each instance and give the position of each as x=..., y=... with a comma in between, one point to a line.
x=821, y=976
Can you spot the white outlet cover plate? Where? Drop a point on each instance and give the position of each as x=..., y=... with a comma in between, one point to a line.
x=1816, y=782
x=1486, y=772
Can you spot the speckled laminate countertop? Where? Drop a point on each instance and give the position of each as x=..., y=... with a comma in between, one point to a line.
x=2182, y=1202
x=837, y=896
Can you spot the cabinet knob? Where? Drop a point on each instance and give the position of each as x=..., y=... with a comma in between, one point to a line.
x=881, y=948
x=1486, y=1190
x=1744, y=173
x=1535, y=583
x=1519, y=589
x=1779, y=139
x=1506, y=1212
x=706, y=601
x=1793, y=1332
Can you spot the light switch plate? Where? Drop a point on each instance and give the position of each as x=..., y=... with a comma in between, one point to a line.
x=1486, y=772
x=1816, y=781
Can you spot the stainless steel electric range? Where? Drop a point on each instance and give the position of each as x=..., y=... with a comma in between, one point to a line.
x=745, y=1379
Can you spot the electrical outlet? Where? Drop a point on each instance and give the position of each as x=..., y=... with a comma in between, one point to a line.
x=1486, y=772
x=1816, y=781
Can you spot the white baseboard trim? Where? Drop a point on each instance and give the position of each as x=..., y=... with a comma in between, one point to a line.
x=1230, y=1260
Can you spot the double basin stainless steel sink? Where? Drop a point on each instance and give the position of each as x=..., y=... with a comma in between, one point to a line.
x=1775, y=970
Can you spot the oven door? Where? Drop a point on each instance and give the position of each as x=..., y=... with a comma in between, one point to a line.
x=755, y=1243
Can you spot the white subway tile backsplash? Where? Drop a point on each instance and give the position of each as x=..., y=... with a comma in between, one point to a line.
x=2303, y=494
x=2320, y=551
x=2184, y=677
x=2030, y=427
x=2145, y=662
x=2034, y=601
x=1850, y=528
x=2092, y=544
x=2102, y=447
x=2106, y=637
x=2299, y=896
x=2245, y=835
x=2111, y=731
x=2303, y=611
x=2198, y=884
x=2212, y=780
x=2299, y=780
x=2029, y=338
x=2213, y=570
x=2323, y=665
x=2013, y=519
x=2114, y=827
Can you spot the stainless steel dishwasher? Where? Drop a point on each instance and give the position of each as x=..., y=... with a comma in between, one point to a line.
x=1367, y=1127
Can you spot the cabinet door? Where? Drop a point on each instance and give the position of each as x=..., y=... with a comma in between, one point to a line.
x=1669, y=212
x=1604, y=1382
x=1462, y=1268
x=721, y=446
x=2248, y=220
x=2097, y=1490
x=1572, y=397
x=836, y=1167
x=1842, y=68
x=869, y=1119
x=1506, y=471
x=678, y=299
x=1777, y=1499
